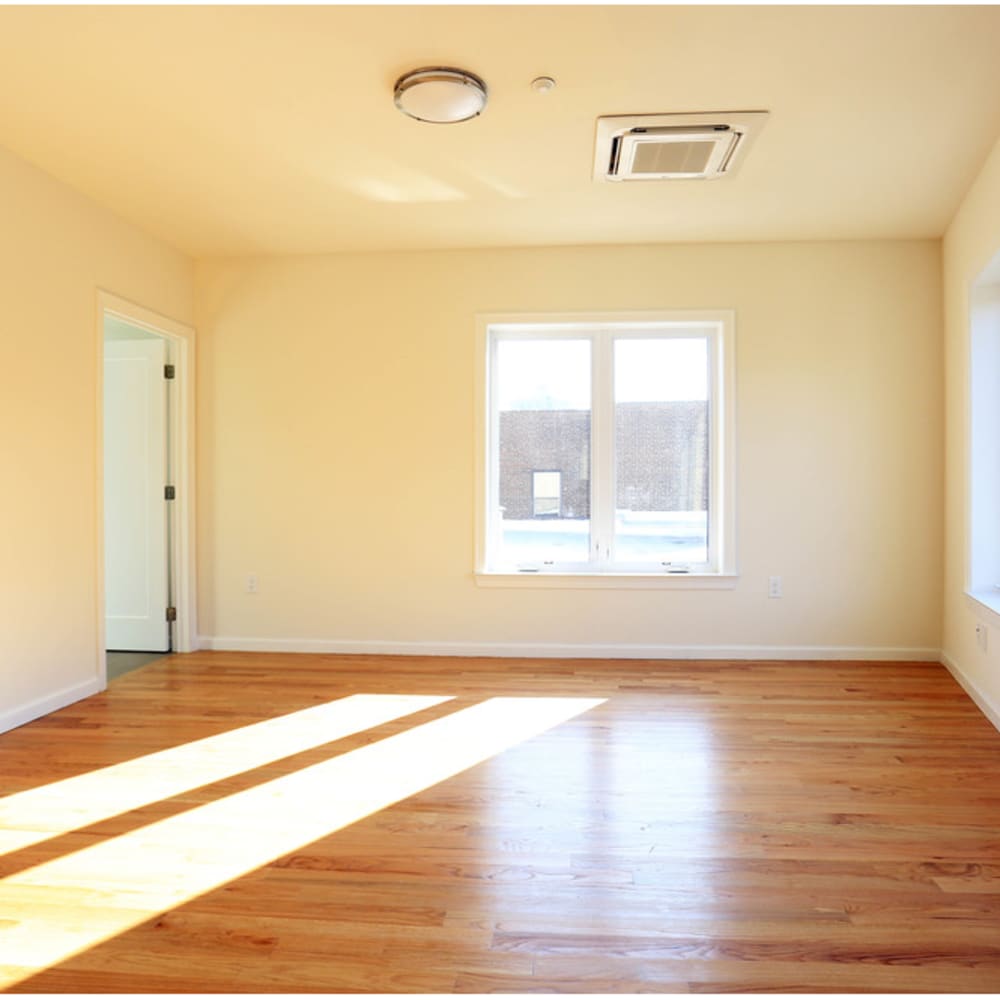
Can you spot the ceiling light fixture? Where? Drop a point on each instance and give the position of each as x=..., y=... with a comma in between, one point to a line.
x=440, y=94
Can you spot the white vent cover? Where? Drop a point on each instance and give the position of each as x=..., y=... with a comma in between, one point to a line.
x=673, y=147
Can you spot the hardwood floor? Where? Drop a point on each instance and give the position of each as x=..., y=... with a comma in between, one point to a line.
x=596, y=826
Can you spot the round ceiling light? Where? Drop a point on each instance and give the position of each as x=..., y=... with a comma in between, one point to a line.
x=440, y=94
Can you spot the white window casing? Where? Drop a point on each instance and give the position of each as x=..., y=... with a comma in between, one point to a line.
x=603, y=565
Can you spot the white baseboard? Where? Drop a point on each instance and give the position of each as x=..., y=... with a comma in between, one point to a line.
x=611, y=651
x=50, y=703
x=986, y=706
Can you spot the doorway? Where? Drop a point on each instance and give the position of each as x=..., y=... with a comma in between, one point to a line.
x=137, y=508
x=145, y=509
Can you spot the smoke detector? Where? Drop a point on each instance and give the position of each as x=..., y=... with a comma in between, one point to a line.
x=673, y=147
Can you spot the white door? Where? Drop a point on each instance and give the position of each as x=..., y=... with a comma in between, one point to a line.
x=136, y=588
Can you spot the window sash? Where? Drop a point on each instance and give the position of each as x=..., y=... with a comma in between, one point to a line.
x=602, y=337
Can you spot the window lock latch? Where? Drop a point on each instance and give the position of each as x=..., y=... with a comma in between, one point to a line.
x=675, y=568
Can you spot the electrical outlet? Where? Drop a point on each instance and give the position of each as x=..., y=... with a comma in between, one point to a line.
x=252, y=583
x=981, y=636
x=774, y=587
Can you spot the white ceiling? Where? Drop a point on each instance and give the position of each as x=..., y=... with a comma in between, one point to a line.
x=241, y=130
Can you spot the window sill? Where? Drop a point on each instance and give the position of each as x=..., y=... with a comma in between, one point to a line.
x=987, y=601
x=611, y=581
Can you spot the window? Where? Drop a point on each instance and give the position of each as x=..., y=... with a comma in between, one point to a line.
x=608, y=447
x=983, y=575
x=546, y=493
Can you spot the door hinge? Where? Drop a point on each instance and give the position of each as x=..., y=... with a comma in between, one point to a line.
x=169, y=371
x=169, y=492
x=171, y=614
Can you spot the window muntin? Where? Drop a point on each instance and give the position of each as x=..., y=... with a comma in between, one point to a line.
x=645, y=412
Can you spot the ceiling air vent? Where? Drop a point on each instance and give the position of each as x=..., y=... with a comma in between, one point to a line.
x=673, y=147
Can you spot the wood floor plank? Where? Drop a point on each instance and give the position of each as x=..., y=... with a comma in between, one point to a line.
x=702, y=827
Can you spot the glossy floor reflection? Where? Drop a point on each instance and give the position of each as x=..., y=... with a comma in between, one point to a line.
x=38, y=814
x=708, y=827
x=81, y=899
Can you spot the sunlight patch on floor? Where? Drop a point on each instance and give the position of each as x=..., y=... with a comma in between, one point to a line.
x=62, y=907
x=33, y=816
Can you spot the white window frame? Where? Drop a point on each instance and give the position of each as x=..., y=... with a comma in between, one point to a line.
x=719, y=327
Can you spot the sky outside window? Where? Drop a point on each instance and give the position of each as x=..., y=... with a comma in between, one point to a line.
x=555, y=374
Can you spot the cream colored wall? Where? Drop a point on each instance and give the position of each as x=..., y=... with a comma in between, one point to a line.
x=972, y=240
x=56, y=249
x=336, y=450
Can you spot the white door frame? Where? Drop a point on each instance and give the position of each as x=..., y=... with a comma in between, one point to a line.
x=181, y=430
